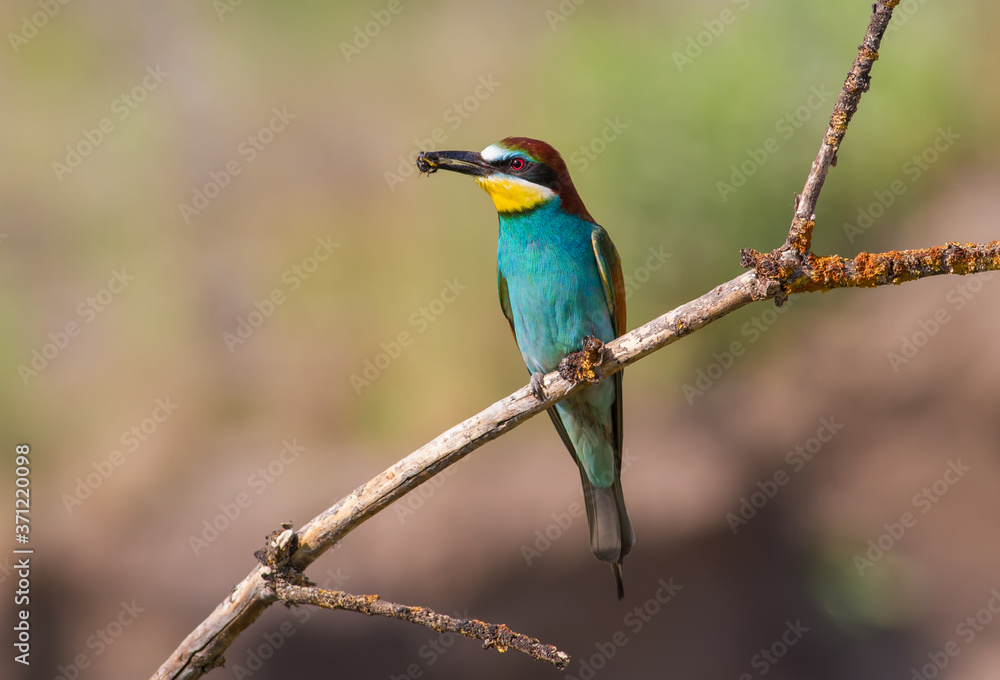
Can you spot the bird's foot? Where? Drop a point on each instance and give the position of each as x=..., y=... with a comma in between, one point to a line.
x=537, y=385
x=579, y=366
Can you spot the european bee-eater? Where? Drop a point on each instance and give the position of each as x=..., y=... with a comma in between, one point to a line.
x=560, y=280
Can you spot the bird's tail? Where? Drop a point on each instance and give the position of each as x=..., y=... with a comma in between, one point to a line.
x=611, y=536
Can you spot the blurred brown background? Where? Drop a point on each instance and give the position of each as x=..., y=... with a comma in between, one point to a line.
x=203, y=154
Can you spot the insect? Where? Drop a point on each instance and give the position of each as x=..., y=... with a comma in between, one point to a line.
x=427, y=161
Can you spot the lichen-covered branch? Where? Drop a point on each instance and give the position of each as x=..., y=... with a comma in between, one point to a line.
x=857, y=83
x=495, y=635
x=867, y=270
x=204, y=647
x=292, y=588
x=790, y=269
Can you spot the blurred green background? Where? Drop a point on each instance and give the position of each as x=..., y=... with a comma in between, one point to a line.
x=205, y=152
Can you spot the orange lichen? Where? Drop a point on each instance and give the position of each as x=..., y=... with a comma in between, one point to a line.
x=865, y=53
x=800, y=235
x=838, y=128
x=868, y=270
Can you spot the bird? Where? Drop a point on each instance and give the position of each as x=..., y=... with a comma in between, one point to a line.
x=559, y=279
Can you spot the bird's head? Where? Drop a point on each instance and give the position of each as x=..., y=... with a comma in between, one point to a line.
x=519, y=173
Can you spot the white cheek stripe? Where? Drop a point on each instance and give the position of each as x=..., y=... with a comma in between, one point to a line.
x=516, y=184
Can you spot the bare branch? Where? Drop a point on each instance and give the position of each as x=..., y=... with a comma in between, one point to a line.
x=205, y=645
x=857, y=83
x=789, y=269
x=203, y=648
x=292, y=588
x=493, y=635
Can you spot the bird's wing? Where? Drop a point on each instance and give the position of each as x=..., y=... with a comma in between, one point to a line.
x=505, y=306
x=609, y=265
x=505, y=301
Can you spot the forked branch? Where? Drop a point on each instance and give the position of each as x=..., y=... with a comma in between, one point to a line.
x=792, y=268
x=292, y=589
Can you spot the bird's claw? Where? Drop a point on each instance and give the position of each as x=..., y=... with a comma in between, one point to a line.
x=537, y=386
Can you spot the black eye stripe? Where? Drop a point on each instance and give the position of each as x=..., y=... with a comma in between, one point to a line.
x=542, y=174
x=533, y=171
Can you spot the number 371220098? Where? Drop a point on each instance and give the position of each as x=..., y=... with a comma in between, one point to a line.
x=22, y=496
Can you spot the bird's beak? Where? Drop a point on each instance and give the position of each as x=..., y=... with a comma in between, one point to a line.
x=465, y=162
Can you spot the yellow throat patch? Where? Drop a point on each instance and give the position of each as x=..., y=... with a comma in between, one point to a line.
x=512, y=194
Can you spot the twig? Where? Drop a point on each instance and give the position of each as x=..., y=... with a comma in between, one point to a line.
x=789, y=269
x=493, y=635
x=292, y=588
x=857, y=83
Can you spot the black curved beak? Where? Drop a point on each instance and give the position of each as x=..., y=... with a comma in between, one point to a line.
x=464, y=162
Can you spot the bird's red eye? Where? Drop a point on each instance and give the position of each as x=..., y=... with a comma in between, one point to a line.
x=517, y=164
